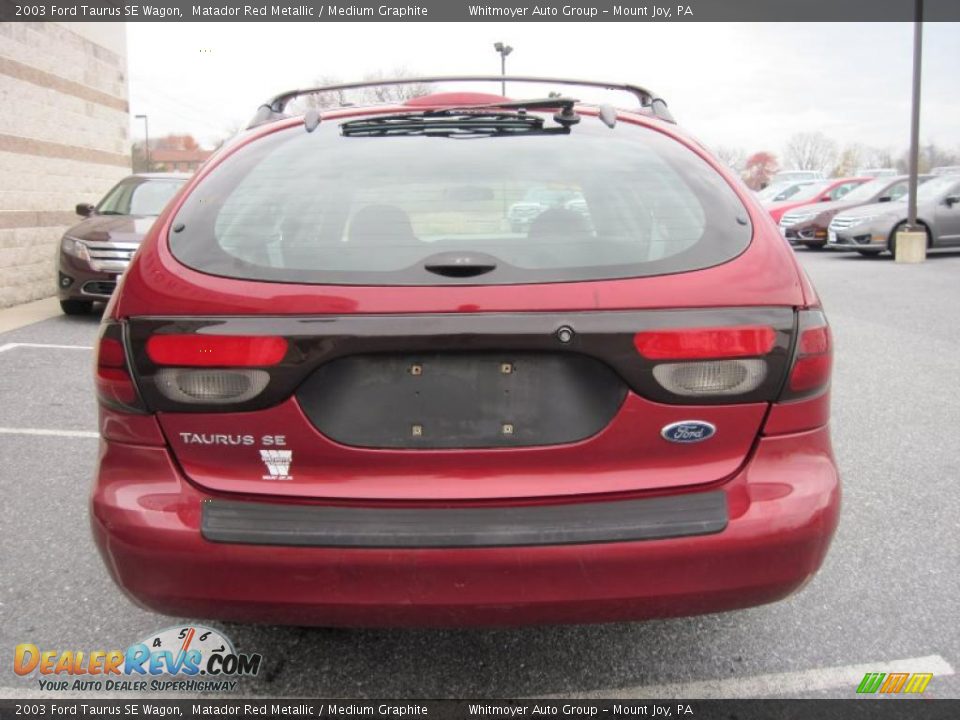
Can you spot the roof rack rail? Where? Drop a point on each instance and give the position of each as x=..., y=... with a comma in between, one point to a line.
x=274, y=108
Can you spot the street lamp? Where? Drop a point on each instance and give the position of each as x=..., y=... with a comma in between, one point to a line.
x=910, y=244
x=504, y=50
x=146, y=136
x=915, y=115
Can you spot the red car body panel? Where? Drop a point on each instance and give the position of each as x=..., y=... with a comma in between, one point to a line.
x=778, y=209
x=784, y=507
x=627, y=455
x=771, y=460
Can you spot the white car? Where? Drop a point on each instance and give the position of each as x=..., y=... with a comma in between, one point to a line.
x=796, y=175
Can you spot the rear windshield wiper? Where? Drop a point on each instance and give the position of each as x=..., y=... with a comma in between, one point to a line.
x=471, y=120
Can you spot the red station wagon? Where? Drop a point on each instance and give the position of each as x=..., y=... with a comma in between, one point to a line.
x=339, y=387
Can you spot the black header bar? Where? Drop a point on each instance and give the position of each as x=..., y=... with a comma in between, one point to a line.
x=299, y=709
x=477, y=10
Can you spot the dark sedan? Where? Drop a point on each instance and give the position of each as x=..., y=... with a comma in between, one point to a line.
x=95, y=252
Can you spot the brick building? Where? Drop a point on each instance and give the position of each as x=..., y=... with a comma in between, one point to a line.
x=177, y=160
x=64, y=126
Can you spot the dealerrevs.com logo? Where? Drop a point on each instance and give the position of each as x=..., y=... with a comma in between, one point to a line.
x=189, y=658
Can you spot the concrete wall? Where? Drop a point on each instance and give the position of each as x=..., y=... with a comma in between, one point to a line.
x=64, y=123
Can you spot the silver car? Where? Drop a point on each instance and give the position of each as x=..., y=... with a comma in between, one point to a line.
x=872, y=229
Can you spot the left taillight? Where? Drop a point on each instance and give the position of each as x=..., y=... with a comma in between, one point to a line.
x=115, y=386
x=201, y=369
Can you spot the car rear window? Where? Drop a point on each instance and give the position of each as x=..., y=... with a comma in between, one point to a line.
x=326, y=208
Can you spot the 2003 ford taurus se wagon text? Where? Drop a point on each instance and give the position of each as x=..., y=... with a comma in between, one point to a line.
x=338, y=386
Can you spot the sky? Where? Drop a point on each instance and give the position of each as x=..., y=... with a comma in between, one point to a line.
x=741, y=85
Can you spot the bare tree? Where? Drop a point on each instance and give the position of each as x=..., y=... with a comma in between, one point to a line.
x=936, y=156
x=883, y=158
x=380, y=94
x=732, y=157
x=849, y=159
x=230, y=131
x=810, y=151
x=393, y=93
x=322, y=101
x=931, y=156
x=876, y=157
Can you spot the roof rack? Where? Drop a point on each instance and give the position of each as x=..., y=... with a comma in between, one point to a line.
x=274, y=108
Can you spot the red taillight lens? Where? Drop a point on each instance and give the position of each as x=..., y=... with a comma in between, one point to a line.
x=216, y=350
x=810, y=373
x=814, y=341
x=814, y=359
x=115, y=387
x=706, y=343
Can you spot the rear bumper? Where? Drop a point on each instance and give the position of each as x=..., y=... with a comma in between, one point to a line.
x=260, y=523
x=782, y=509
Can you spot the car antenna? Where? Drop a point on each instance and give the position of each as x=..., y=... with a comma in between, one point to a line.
x=311, y=119
x=608, y=115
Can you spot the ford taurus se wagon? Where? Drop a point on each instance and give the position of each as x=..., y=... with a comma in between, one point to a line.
x=338, y=386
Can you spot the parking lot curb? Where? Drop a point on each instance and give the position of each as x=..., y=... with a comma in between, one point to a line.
x=19, y=316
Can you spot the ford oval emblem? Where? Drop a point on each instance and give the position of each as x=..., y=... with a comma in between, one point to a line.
x=688, y=431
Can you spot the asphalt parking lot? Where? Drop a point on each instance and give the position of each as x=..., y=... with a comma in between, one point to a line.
x=886, y=598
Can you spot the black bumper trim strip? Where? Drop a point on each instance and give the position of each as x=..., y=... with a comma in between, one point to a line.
x=232, y=521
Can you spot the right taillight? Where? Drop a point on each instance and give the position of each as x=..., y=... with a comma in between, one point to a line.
x=115, y=386
x=813, y=358
x=711, y=378
x=710, y=362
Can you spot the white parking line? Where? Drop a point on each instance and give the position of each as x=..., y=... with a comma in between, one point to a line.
x=780, y=684
x=11, y=346
x=54, y=433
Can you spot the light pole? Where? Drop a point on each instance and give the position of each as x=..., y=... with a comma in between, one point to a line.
x=910, y=243
x=504, y=50
x=146, y=140
x=915, y=115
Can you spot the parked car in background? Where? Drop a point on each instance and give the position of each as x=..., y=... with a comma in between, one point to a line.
x=946, y=170
x=820, y=191
x=781, y=190
x=329, y=395
x=808, y=225
x=784, y=175
x=95, y=252
x=538, y=200
x=872, y=229
x=877, y=172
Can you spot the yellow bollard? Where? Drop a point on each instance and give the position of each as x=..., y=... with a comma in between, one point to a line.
x=911, y=246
